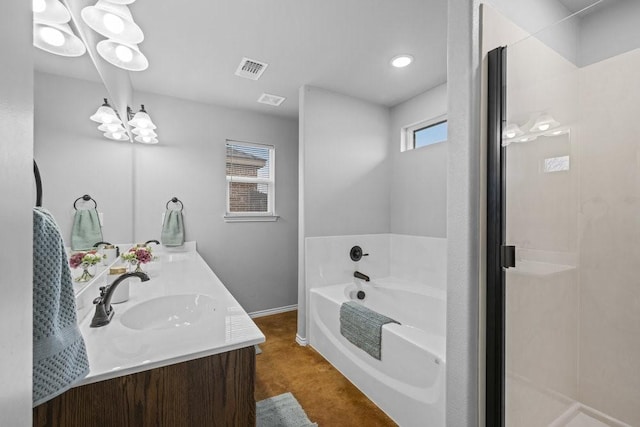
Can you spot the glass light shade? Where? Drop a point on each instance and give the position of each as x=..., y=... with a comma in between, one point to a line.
x=113, y=21
x=142, y=120
x=122, y=55
x=50, y=12
x=117, y=136
x=557, y=132
x=121, y=1
x=105, y=115
x=144, y=132
x=527, y=138
x=57, y=39
x=543, y=123
x=512, y=131
x=401, y=61
x=146, y=139
x=111, y=128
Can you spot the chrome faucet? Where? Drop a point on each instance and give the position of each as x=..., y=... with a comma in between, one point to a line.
x=104, y=312
x=361, y=276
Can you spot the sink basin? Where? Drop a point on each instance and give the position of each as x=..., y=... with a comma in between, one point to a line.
x=171, y=311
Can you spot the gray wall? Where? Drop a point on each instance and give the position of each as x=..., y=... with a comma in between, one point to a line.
x=611, y=30
x=346, y=165
x=75, y=158
x=256, y=261
x=18, y=197
x=133, y=182
x=418, y=177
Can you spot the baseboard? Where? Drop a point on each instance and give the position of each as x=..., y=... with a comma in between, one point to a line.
x=271, y=311
x=301, y=341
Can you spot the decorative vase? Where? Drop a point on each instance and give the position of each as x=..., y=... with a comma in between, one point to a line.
x=138, y=267
x=86, y=275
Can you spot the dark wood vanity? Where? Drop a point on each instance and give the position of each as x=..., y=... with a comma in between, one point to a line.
x=216, y=390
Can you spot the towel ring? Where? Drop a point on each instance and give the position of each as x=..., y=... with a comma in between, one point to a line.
x=86, y=198
x=175, y=200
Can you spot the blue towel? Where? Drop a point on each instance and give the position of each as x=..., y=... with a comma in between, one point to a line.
x=172, y=228
x=86, y=230
x=363, y=327
x=59, y=353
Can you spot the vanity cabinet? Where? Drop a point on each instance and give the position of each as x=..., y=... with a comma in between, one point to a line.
x=216, y=390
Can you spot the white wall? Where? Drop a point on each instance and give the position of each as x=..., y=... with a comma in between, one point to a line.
x=75, y=159
x=418, y=177
x=18, y=194
x=256, y=261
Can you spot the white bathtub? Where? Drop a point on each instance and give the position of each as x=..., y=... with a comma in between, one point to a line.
x=408, y=383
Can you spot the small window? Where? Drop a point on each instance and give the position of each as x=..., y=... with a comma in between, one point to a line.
x=425, y=133
x=250, y=180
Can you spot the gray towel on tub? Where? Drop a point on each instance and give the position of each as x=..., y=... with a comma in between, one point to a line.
x=59, y=353
x=363, y=327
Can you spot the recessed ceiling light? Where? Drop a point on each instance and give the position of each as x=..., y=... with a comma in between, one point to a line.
x=401, y=61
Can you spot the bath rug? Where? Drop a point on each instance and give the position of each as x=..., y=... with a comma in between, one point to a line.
x=363, y=327
x=281, y=411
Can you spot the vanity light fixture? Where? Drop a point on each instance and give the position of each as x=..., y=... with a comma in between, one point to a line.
x=50, y=11
x=123, y=55
x=543, y=123
x=512, y=130
x=51, y=31
x=113, y=21
x=141, y=119
x=112, y=127
x=401, y=61
x=106, y=115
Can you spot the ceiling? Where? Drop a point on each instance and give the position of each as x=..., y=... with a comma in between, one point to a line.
x=195, y=47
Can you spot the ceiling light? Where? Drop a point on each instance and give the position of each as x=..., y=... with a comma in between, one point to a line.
x=123, y=55
x=106, y=115
x=557, y=132
x=401, y=61
x=543, y=123
x=527, y=138
x=122, y=1
x=57, y=39
x=142, y=120
x=113, y=21
x=50, y=11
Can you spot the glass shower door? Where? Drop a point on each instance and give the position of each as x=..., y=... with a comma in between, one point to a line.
x=571, y=153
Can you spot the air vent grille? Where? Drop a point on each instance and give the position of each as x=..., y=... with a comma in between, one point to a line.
x=269, y=99
x=251, y=69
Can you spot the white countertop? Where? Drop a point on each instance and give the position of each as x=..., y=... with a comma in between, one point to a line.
x=115, y=350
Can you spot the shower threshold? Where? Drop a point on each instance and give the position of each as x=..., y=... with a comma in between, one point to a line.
x=579, y=415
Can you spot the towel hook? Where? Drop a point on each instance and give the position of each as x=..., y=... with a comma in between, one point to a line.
x=86, y=198
x=176, y=201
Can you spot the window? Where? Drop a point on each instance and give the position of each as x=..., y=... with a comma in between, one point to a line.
x=425, y=133
x=250, y=182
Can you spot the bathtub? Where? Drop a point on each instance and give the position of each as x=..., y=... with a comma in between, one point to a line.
x=408, y=383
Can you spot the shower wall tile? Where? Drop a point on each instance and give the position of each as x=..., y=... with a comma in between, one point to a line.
x=610, y=237
x=327, y=260
x=419, y=259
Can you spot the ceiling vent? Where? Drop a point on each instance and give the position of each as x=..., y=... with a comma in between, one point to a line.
x=251, y=69
x=269, y=99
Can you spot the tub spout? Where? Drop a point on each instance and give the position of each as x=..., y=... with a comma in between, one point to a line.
x=359, y=275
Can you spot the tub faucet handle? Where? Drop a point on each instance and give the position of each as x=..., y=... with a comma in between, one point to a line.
x=356, y=253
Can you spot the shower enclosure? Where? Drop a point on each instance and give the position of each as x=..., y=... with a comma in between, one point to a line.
x=563, y=223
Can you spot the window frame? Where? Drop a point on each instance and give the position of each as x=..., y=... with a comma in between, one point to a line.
x=270, y=214
x=408, y=133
